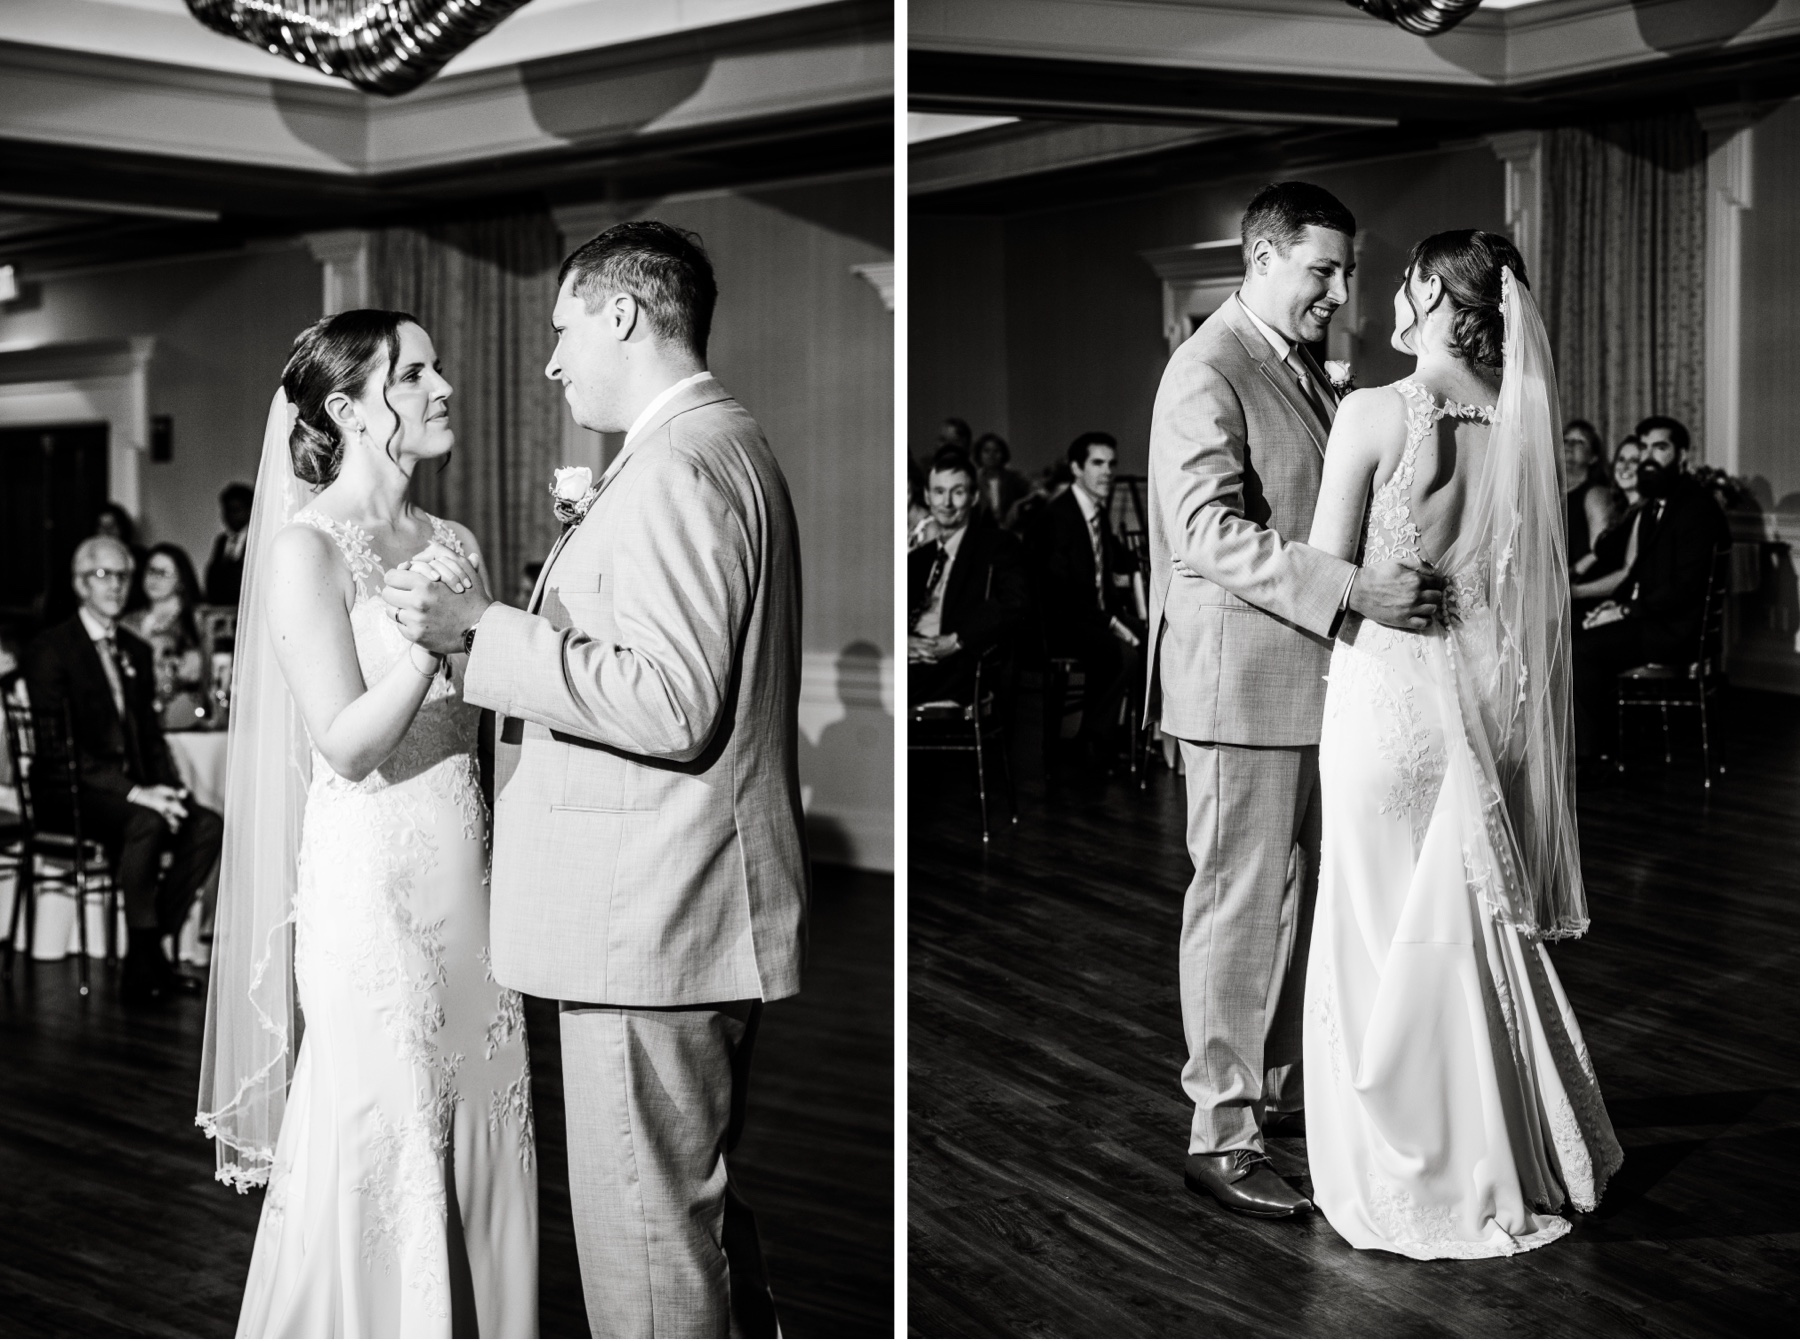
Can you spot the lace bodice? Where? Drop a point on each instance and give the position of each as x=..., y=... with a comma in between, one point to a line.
x=445, y=726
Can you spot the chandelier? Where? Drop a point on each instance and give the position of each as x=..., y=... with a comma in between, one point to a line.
x=381, y=46
x=1427, y=18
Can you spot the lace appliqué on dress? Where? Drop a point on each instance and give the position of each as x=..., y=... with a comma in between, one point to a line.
x=1432, y=1231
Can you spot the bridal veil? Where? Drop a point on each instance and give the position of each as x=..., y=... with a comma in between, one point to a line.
x=1515, y=690
x=252, y=1020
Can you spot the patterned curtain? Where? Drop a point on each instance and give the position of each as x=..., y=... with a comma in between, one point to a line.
x=483, y=290
x=1625, y=271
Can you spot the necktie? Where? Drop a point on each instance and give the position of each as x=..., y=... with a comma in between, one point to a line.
x=1297, y=366
x=122, y=671
x=1099, y=559
x=939, y=562
x=115, y=672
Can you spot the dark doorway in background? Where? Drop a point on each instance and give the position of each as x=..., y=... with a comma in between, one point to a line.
x=55, y=484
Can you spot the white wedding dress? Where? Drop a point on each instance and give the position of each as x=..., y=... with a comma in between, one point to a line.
x=402, y=1200
x=1451, y=1106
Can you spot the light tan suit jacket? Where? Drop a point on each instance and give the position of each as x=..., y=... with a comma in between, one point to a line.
x=648, y=847
x=1241, y=609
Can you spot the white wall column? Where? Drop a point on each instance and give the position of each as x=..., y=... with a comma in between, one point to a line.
x=1730, y=180
x=344, y=253
x=1521, y=153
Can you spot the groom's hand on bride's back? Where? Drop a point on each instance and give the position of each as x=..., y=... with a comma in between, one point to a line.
x=1400, y=595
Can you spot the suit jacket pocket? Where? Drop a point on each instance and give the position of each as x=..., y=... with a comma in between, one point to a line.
x=592, y=612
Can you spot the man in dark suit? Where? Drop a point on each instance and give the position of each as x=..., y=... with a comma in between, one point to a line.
x=132, y=798
x=966, y=587
x=1085, y=575
x=225, y=569
x=1658, y=613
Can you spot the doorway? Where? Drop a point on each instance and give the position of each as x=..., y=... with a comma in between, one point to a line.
x=55, y=482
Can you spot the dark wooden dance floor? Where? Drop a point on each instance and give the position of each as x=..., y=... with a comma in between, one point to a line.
x=1047, y=1123
x=111, y=1224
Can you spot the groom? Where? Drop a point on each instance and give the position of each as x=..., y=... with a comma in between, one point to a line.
x=1241, y=619
x=649, y=870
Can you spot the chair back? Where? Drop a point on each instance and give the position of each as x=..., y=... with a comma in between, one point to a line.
x=21, y=743
x=40, y=746
x=1712, y=615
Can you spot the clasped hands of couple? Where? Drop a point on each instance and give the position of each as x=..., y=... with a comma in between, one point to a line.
x=434, y=598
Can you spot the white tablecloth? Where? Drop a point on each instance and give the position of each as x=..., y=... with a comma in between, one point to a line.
x=200, y=759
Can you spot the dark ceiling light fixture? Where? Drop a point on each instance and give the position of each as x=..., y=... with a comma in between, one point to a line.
x=1427, y=18
x=381, y=46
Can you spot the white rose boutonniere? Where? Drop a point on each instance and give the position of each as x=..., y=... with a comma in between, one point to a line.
x=573, y=491
x=1342, y=380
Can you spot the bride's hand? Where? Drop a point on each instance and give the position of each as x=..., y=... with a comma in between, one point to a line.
x=453, y=570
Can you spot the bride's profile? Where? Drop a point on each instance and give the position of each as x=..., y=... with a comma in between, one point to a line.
x=360, y=1061
x=1452, y=1108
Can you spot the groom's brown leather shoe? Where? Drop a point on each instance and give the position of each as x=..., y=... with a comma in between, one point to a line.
x=1243, y=1181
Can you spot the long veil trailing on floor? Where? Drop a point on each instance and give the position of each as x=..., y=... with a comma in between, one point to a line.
x=252, y=1019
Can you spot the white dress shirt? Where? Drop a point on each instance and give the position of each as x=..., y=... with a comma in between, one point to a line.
x=661, y=399
x=1090, y=513
x=931, y=618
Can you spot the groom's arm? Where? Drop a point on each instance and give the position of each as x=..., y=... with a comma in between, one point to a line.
x=680, y=591
x=1198, y=443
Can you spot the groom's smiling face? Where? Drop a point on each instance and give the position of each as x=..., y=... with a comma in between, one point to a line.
x=1297, y=292
x=589, y=359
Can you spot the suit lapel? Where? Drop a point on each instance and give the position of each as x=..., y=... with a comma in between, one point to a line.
x=1279, y=375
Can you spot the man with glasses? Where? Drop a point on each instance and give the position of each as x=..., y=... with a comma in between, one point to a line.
x=100, y=678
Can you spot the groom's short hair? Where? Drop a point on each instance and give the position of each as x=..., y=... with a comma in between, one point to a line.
x=1283, y=211
x=662, y=267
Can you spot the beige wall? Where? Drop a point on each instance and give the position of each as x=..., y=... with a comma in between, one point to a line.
x=223, y=326
x=1081, y=321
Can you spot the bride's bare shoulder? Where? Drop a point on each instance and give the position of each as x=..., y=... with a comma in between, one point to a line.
x=1369, y=419
x=302, y=553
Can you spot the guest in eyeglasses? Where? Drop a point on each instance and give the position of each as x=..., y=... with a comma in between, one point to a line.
x=161, y=612
x=100, y=679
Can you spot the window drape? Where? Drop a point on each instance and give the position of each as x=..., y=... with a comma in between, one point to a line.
x=484, y=289
x=1624, y=257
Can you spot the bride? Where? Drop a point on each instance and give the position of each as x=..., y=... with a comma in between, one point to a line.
x=1452, y=1108
x=394, y=1135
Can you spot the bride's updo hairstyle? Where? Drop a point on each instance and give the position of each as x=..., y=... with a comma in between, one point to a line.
x=336, y=353
x=1467, y=262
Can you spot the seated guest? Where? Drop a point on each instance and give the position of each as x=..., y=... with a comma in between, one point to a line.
x=919, y=526
x=1656, y=615
x=1084, y=575
x=1590, y=495
x=1598, y=573
x=954, y=433
x=998, y=485
x=965, y=590
x=132, y=798
x=225, y=570
x=161, y=612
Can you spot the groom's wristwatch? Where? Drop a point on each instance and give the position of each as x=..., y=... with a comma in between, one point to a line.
x=469, y=638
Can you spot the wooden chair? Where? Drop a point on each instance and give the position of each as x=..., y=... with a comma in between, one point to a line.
x=1693, y=686
x=40, y=746
x=978, y=727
